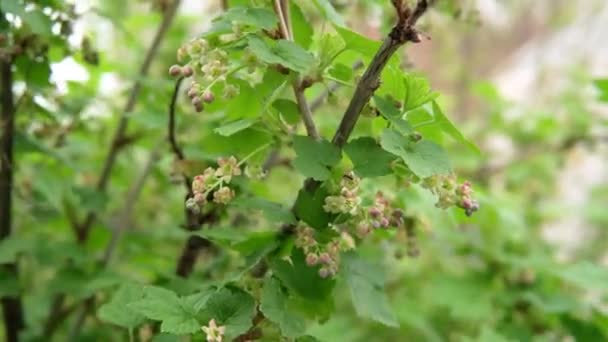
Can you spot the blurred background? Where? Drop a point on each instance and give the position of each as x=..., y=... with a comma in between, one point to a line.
x=526, y=81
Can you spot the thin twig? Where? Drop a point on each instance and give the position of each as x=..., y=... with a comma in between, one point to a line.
x=82, y=231
x=12, y=308
x=175, y=148
x=282, y=10
x=403, y=32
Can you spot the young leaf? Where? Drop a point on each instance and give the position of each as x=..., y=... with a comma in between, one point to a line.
x=329, y=12
x=284, y=52
x=273, y=305
x=356, y=42
x=232, y=308
x=164, y=305
x=393, y=115
x=425, y=158
x=602, y=86
x=315, y=157
x=256, y=17
x=368, y=157
x=302, y=30
x=274, y=212
x=366, y=285
x=117, y=310
x=448, y=127
x=288, y=109
x=234, y=127
x=418, y=92
x=301, y=278
x=309, y=208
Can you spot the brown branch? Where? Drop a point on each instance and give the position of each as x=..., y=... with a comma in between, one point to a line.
x=12, y=308
x=282, y=10
x=403, y=32
x=82, y=230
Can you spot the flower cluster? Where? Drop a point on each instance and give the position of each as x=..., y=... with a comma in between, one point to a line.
x=214, y=180
x=327, y=255
x=348, y=200
x=451, y=194
x=214, y=332
x=208, y=62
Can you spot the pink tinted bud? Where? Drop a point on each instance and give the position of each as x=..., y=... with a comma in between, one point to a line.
x=199, y=198
x=192, y=92
x=325, y=258
x=324, y=272
x=208, y=96
x=311, y=259
x=187, y=71
x=175, y=70
x=199, y=107
x=384, y=222
x=374, y=212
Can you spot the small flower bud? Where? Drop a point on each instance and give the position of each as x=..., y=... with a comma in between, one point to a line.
x=311, y=259
x=199, y=198
x=192, y=206
x=325, y=258
x=324, y=272
x=223, y=195
x=198, y=184
x=196, y=101
x=375, y=212
x=208, y=96
x=175, y=70
x=187, y=71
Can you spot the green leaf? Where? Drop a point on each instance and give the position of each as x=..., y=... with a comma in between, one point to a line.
x=38, y=22
x=586, y=275
x=341, y=72
x=448, y=127
x=117, y=310
x=164, y=305
x=368, y=157
x=301, y=278
x=90, y=198
x=366, y=284
x=234, y=127
x=288, y=109
x=425, y=158
x=393, y=115
x=273, y=305
x=10, y=248
x=314, y=158
x=9, y=284
x=417, y=92
x=356, y=42
x=302, y=30
x=329, y=12
x=330, y=46
x=12, y=6
x=260, y=18
x=232, y=308
x=602, y=86
x=284, y=52
x=274, y=212
x=309, y=208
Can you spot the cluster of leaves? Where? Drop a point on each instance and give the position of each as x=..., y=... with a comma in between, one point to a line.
x=259, y=280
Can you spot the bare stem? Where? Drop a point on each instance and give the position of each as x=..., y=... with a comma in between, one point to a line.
x=12, y=308
x=282, y=9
